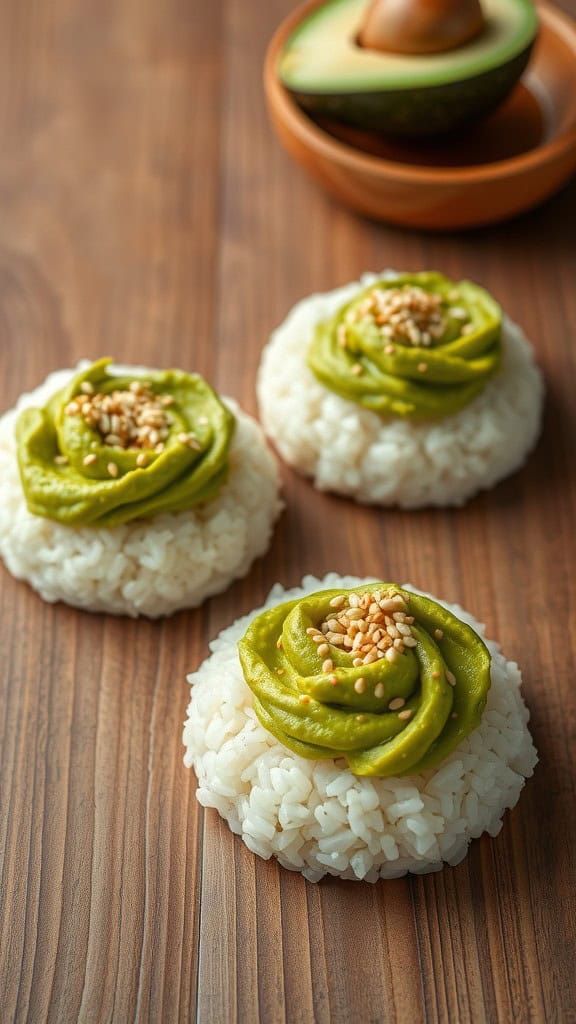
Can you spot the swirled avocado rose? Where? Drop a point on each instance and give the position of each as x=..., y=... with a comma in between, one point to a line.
x=387, y=679
x=108, y=449
x=401, y=389
x=358, y=729
x=132, y=490
x=416, y=346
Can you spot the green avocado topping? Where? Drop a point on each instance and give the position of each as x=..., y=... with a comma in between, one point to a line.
x=387, y=679
x=417, y=346
x=108, y=449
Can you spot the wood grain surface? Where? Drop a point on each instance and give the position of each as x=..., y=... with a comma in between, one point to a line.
x=147, y=212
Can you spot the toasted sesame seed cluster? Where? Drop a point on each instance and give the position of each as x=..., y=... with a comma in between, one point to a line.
x=132, y=418
x=408, y=315
x=369, y=626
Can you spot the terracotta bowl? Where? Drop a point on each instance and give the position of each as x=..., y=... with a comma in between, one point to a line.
x=505, y=164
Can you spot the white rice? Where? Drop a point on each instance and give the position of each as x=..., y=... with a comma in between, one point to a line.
x=152, y=567
x=316, y=816
x=353, y=451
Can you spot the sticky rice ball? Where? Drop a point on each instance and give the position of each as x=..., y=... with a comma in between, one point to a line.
x=407, y=390
x=149, y=557
x=428, y=725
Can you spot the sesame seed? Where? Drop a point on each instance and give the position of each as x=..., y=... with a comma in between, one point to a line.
x=89, y=460
x=438, y=633
x=422, y=367
x=357, y=662
x=396, y=704
x=435, y=675
x=392, y=654
x=87, y=387
x=379, y=690
x=280, y=644
x=360, y=685
x=410, y=641
x=328, y=665
x=356, y=369
x=390, y=350
x=355, y=614
x=280, y=671
x=323, y=650
x=450, y=677
x=142, y=460
x=318, y=638
x=405, y=715
x=61, y=460
x=312, y=631
x=72, y=408
x=112, y=469
x=338, y=601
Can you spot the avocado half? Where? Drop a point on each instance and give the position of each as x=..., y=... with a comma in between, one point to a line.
x=412, y=95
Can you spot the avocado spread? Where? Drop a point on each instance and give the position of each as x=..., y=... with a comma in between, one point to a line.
x=108, y=449
x=417, y=346
x=387, y=679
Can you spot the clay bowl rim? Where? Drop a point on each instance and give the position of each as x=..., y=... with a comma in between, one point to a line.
x=286, y=109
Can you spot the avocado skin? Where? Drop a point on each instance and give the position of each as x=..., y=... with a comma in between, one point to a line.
x=424, y=111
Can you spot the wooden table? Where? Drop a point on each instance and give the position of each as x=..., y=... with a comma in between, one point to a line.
x=147, y=212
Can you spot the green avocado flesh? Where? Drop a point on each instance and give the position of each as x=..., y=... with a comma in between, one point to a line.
x=330, y=75
x=371, y=364
x=437, y=688
x=54, y=442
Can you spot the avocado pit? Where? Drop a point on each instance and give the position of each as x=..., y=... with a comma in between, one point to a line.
x=420, y=26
